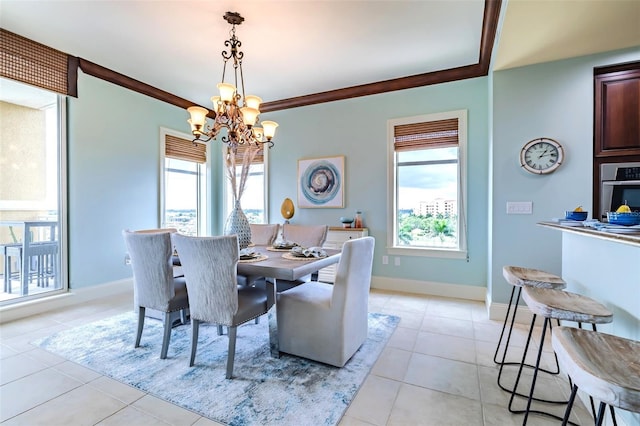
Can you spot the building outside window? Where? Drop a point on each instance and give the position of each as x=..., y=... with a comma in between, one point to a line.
x=184, y=184
x=427, y=184
x=32, y=188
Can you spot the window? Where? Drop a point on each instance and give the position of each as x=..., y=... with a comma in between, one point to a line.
x=427, y=185
x=254, y=197
x=184, y=186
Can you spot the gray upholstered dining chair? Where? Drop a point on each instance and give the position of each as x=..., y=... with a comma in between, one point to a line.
x=154, y=285
x=305, y=235
x=263, y=234
x=210, y=268
x=324, y=322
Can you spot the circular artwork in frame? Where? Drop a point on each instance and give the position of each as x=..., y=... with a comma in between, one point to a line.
x=321, y=182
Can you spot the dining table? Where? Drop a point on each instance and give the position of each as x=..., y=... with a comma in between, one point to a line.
x=278, y=264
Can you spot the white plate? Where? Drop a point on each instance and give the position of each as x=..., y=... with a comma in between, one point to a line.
x=627, y=230
x=576, y=223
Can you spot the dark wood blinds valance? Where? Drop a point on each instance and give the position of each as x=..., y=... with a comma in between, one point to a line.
x=184, y=149
x=33, y=63
x=431, y=134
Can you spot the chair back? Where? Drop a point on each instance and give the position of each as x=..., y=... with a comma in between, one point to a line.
x=210, y=270
x=150, y=255
x=353, y=280
x=263, y=234
x=305, y=235
x=155, y=230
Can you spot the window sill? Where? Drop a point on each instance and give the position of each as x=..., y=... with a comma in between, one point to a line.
x=428, y=252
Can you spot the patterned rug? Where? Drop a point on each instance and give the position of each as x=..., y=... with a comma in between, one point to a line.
x=263, y=391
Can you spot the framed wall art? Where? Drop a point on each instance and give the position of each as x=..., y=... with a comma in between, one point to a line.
x=321, y=182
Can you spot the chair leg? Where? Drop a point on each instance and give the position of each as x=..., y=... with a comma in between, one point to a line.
x=167, y=335
x=257, y=320
x=183, y=316
x=195, y=325
x=567, y=412
x=141, y=310
x=220, y=330
x=232, y=350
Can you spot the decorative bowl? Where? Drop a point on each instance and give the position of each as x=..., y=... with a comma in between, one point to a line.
x=346, y=219
x=632, y=218
x=571, y=215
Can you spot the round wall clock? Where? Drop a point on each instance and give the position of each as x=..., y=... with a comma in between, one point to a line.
x=541, y=156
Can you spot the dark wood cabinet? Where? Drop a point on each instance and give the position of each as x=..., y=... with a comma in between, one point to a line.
x=617, y=111
x=616, y=125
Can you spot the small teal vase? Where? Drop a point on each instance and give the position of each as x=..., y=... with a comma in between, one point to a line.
x=237, y=224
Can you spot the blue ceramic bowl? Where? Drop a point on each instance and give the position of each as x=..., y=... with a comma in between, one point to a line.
x=632, y=218
x=346, y=219
x=571, y=215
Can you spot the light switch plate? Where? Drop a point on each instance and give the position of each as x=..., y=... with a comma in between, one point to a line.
x=519, y=207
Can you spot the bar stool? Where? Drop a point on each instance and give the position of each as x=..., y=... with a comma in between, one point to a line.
x=520, y=277
x=558, y=305
x=604, y=366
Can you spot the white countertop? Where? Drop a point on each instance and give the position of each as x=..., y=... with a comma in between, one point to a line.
x=631, y=239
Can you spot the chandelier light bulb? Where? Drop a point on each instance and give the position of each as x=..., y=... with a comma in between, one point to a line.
x=269, y=129
x=198, y=116
x=253, y=101
x=249, y=115
x=227, y=91
x=258, y=133
x=218, y=107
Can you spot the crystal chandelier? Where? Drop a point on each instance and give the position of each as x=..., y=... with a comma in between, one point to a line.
x=232, y=110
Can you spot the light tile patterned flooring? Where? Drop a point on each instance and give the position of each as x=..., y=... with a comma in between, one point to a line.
x=437, y=369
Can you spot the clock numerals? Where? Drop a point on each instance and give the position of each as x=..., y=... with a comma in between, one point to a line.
x=541, y=156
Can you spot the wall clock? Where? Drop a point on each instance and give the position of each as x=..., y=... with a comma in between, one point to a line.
x=541, y=156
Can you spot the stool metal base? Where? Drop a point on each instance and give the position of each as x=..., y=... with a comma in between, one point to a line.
x=502, y=362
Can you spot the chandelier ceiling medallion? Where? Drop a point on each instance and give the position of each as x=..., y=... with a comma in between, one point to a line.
x=232, y=110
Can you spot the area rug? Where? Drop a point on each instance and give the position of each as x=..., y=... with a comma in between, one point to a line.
x=264, y=390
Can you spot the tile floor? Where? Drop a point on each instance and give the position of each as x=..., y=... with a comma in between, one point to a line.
x=437, y=369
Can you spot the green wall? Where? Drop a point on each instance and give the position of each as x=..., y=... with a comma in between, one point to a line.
x=114, y=174
x=357, y=129
x=553, y=100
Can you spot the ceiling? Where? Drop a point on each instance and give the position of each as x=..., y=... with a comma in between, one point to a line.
x=297, y=47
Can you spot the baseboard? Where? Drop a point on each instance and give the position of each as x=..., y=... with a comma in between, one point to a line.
x=73, y=297
x=430, y=288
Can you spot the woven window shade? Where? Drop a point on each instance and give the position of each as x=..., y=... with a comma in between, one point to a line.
x=258, y=159
x=33, y=63
x=431, y=134
x=184, y=149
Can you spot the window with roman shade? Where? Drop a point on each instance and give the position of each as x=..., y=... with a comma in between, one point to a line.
x=184, y=183
x=426, y=185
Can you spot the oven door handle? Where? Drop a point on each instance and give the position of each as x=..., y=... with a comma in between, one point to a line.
x=620, y=182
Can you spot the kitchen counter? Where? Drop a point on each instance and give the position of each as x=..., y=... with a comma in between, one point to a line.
x=632, y=239
x=606, y=267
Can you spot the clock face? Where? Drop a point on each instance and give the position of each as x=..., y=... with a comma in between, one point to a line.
x=541, y=156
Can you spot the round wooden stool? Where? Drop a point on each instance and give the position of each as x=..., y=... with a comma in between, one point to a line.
x=559, y=305
x=520, y=277
x=606, y=367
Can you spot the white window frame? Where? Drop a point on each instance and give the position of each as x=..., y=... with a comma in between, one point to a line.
x=392, y=222
x=56, y=154
x=226, y=191
x=203, y=183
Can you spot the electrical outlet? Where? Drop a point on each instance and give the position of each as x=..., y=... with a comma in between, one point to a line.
x=385, y=260
x=127, y=259
x=397, y=261
x=519, y=207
